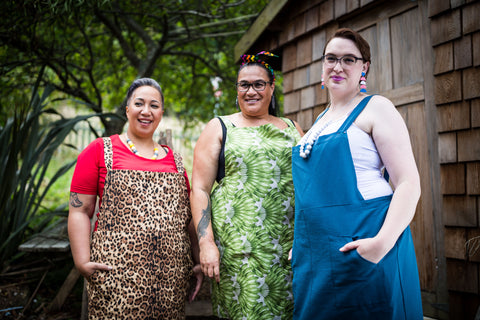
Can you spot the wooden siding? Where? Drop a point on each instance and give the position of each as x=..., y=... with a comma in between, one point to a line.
x=456, y=42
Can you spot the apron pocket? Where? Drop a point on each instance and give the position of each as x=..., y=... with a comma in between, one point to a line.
x=357, y=281
x=100, y=288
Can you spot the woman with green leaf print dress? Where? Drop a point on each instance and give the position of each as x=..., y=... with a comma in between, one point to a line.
x=245, y=225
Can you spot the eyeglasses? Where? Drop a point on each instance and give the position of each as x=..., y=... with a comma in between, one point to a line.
x=331, y=60
x=258, y=85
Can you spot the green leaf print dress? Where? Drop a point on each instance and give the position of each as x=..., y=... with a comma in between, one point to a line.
x=252, y=219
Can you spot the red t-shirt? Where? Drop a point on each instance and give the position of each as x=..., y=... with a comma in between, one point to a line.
x=90, y=171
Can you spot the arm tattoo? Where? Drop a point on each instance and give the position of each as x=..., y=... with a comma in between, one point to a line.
x=74, y=201
x=205, y=220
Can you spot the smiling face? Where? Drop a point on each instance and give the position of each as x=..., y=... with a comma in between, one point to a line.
x=251, y=102
x=144, y=111
x=341, y=77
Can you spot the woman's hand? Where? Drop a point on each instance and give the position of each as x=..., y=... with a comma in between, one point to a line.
x=197, y=271
x=88, y=268
x=370, y=249
x=210, y=260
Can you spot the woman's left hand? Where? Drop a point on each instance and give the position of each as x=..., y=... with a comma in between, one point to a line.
x=370, y=249
x=197, y=271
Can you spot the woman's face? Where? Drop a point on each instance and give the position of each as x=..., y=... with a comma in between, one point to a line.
x=340, y=76
x=252, y=102
x=144, y=111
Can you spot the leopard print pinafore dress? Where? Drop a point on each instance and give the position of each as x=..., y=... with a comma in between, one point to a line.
x=142, y=233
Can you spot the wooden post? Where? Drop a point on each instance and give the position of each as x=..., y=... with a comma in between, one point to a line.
x=166, y=137
x=84, y=314
x=64, y=291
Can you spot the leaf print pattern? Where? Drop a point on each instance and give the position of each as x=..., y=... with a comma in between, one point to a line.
x=252, y=219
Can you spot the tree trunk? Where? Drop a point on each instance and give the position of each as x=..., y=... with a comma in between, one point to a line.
x=115, y=125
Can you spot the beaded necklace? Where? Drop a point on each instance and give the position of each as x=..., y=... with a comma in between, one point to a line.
x=307, y=142
x=135, y=151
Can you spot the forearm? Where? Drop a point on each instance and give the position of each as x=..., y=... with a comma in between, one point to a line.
x=400, y=213
x=194, y=243
x=79, y=235
x=202, y=216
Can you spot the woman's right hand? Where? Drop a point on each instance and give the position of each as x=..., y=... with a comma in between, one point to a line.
x=210, y=260
x=88, y=268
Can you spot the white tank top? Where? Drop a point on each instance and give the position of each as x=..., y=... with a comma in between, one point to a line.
x=367, y=162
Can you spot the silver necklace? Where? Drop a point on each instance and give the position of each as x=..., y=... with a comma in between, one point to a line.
x=312, y=135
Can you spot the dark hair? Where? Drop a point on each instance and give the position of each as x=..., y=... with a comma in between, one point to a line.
x=272, y=110
x=141, y=83
x=359, y=41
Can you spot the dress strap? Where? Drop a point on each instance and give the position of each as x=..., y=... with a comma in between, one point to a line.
x=179, y=163
x=108, y=153
x=226, y=122
x=351, y=118
x=288, y=121
x=221, y=156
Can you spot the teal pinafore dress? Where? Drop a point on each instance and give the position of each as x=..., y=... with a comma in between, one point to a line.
x=330, y=212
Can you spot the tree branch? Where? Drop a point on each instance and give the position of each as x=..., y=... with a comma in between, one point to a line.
x=214, y=24
x=135, y=27
x=215, y=69
x=89, y=70
x=117, y=33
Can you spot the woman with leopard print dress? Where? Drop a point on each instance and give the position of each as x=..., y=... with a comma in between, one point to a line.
x=139, y=261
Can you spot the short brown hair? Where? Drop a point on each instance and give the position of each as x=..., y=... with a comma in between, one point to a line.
x=359, y=41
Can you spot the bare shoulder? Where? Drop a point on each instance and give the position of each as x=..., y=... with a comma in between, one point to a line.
x=379, y=110
x=281, y=122
x=299, y=129
x=215, y=122
x=212, y=128
x=211, y=137
x=380, y=104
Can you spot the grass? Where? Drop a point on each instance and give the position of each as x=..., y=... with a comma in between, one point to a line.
x=59, y=192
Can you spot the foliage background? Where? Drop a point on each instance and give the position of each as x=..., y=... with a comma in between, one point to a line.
x=93, y=50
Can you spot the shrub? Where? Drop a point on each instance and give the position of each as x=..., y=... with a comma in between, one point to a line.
x=26, y=149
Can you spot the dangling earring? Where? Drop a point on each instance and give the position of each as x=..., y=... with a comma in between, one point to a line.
x=236, y=104
x=272, y=106
x=323, y=83
x=363, y=83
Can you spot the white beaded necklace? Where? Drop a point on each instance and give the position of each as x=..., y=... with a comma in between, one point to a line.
x=307, y=142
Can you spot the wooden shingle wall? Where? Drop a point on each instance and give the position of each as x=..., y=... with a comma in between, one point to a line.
x=302, y=70
x=455, y=34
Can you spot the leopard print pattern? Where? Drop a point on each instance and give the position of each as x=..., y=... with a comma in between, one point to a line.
x=108, y=153
x=142, y=234
x=179, y=162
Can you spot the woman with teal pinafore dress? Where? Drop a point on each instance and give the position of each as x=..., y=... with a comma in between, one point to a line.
x=353, y=255
x=245, y=225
